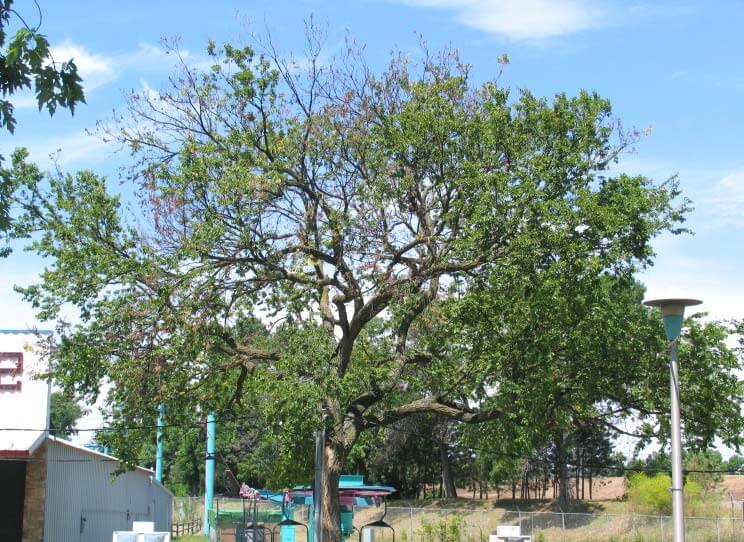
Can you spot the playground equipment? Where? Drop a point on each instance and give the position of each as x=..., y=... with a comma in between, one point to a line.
x=378, y=524
x=287, y=524
x=259, y=524
x=351, y=491
x=251, y=530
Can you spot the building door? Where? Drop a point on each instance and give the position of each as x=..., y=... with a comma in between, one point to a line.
x=13, y=476
x=99, y=525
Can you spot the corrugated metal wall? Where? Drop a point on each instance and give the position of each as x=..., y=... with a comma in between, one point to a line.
x=85, y=503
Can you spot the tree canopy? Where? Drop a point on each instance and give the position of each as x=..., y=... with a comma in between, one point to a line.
x=577, y=350
x=308, y=236
x=64, y=414
x=27, y=62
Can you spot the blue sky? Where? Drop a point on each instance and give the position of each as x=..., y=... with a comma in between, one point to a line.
x=673, y=67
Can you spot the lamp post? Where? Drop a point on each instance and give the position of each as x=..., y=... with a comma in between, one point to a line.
x=672, y=312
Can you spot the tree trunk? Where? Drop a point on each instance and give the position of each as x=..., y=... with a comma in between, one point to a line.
x=583, y=477
x=577, y=478
x=563, y=476
x=334, y=460
x=448, y=481
x=590, y=483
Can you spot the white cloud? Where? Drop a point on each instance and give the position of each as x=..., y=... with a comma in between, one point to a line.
x=727, y=200
x=151, y=58
x=95, y=69
x=685, y=268
x=24, y=100
x=633, y=164
x=99, y=69
x=148, y=91
x=705, y=265
x=523, y=20
x=722, y=299
x=68, y=149
x=717, y=193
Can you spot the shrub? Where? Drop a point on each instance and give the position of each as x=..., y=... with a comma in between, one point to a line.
x=447, y=529
x=651, y=494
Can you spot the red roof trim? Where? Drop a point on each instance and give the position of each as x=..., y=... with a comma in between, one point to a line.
x=15, y=453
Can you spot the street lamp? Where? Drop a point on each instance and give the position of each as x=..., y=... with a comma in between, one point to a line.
x=672, y=311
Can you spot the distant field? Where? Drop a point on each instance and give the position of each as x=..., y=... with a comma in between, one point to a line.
x=605, y=489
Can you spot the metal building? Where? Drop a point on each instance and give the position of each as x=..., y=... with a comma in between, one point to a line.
x=86, y=501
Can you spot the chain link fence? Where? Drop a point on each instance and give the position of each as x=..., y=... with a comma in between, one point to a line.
x=186, y=509
x=461, y=525
x=413, y=524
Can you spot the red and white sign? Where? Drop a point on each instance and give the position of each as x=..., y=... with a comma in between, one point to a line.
x=11, y=367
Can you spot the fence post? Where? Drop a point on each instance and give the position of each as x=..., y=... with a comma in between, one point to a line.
x=532, y=524
x=718, y=530
x=563, y=520
x=733, y=523
x=410, y=522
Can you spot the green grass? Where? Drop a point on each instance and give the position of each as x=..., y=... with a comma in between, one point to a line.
x=465, y=504
x=192, y=538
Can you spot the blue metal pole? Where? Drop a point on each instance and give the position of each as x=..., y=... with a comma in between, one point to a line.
x=209, y=470
x=159, y=455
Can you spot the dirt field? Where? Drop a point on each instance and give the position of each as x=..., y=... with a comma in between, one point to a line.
x=734, y=486
x=613, y=489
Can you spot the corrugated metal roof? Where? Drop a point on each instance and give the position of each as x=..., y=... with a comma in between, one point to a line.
x=96, y=453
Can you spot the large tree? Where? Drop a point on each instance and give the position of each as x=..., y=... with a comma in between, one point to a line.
x=299, y=228
x=575, y=349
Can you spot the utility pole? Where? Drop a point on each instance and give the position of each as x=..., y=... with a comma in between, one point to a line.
x=319, y=481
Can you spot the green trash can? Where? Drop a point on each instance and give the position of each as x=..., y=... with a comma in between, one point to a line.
x=347, y=521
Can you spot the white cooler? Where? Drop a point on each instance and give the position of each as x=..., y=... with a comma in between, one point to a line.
x=509, y=533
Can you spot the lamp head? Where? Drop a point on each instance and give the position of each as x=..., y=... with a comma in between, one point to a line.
x=672, y=311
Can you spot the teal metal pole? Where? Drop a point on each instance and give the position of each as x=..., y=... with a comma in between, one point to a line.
x=159, y=455
x=209, y=470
